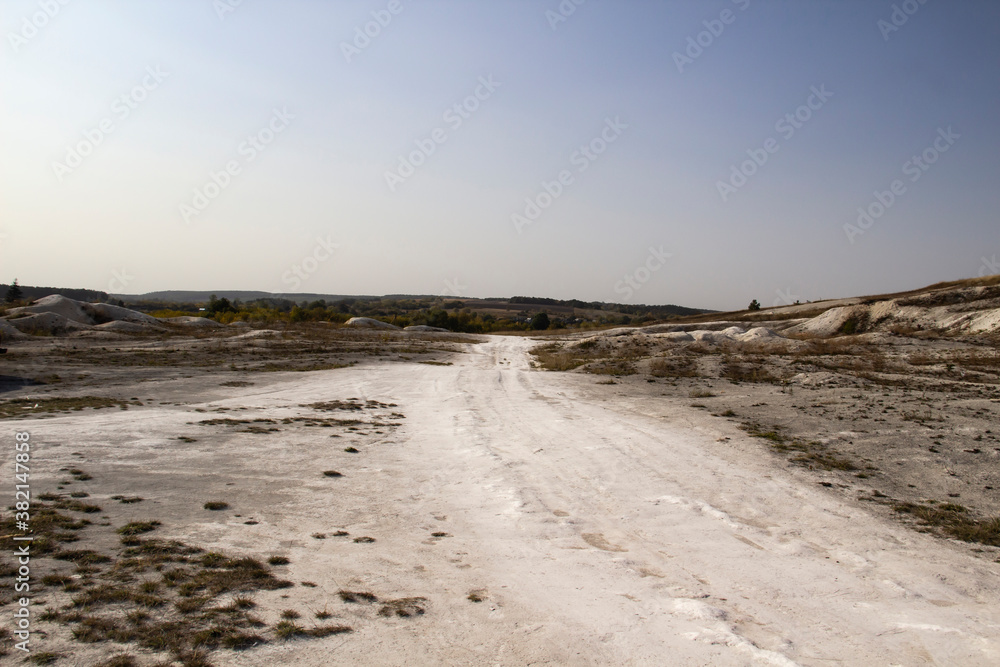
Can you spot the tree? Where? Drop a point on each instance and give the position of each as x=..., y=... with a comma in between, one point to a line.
x=14, y=292
x=754, y=305
x=216, y=306
x=540, y=321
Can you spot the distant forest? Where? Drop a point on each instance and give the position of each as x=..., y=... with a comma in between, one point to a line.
x=468, y=315
x=31, y=293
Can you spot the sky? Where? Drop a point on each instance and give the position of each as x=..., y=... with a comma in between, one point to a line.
x=701, y=153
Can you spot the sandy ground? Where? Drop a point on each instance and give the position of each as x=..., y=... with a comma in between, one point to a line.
x=596, y=528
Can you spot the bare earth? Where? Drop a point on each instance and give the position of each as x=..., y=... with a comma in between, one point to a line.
x=543, y=519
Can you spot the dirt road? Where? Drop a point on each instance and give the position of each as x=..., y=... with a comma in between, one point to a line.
x=596, y=529
x=619, y=534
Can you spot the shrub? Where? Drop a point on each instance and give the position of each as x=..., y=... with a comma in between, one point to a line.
x=540, y=321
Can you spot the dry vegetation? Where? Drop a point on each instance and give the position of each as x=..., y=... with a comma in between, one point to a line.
x=103, y=579
x=162, y=595
x=302, y=347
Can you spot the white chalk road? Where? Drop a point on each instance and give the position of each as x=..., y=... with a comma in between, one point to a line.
x=595, y=528
x=618, y=531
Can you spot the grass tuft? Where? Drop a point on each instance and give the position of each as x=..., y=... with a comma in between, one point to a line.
x=289, y=630
x=954, y=521
x=327, y=630
x=360, y=597
x=138, y=527
x=403, y=607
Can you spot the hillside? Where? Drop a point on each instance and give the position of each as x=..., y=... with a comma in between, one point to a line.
x=32, y=292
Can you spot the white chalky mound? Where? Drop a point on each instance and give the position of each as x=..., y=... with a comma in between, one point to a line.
x=105, y=312
x=191, y=320
x=423, y=327
x=56, y=304
x=368, y=323
x=9, y=331
x=57, y=314
x=46, y=324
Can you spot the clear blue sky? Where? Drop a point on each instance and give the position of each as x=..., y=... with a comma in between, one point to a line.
x=183, y=84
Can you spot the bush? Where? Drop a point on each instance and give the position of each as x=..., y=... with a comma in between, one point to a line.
x=540, y=321
x=218, y=306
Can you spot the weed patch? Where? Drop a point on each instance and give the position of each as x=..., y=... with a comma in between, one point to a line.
x=43, y=407
x=954, y=521
x=403, y=607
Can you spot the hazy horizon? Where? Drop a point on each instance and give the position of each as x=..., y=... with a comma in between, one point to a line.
x=536, y=148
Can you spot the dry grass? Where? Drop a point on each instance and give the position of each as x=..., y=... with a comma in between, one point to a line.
x=181, y=583
x=674, y=367
x=43, y=407
x=601, y=356
x=49, y=527
x=138, y=527
x=813, y=455
x=184, y=586
x=123, y=660
x=403, y=607
x=612, y=367
x=747, y=369
x=359, y=597
x=555, y=357
x=954, y=521
x=826, y=347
